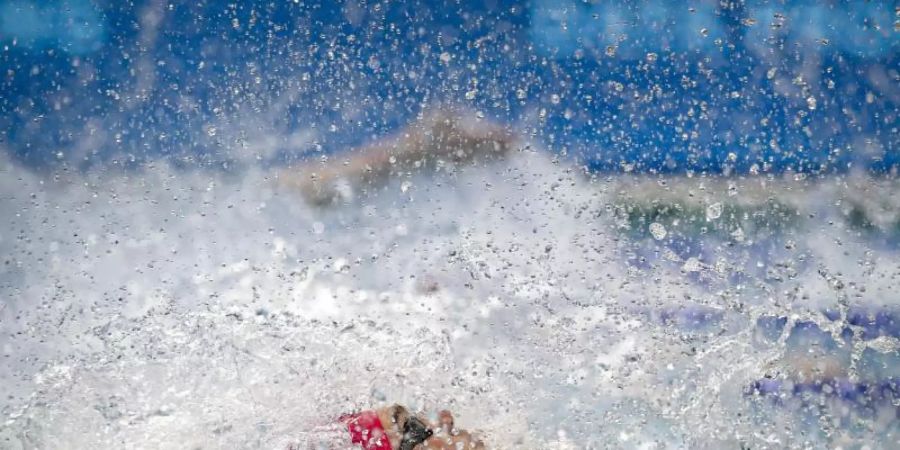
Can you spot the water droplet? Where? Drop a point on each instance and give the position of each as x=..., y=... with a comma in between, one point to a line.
x=341, y=265
x=714, y=211
x=704, y=32
x=692, y=265
x=521, y=94
x=610, y=50
x=658, y=231
x=404, y=186
x=811, y=103
x=554, y=99
x=652, y=57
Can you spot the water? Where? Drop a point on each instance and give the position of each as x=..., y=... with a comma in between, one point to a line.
x=699, y=246
x=166, y=308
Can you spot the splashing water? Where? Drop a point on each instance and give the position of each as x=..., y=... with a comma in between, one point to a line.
x=172, y=309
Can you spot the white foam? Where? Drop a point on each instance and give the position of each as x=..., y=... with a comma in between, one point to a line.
x=171, y=309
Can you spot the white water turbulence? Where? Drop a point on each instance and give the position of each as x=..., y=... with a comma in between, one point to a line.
x=547, y=307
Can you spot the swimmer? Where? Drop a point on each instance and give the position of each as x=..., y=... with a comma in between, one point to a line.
x=443, y=139
x=394, y=428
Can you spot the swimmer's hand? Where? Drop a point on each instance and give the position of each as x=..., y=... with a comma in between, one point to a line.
x=447, y=437
x=407, y=432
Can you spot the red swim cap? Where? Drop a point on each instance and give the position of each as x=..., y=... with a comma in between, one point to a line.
x=366, y=430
